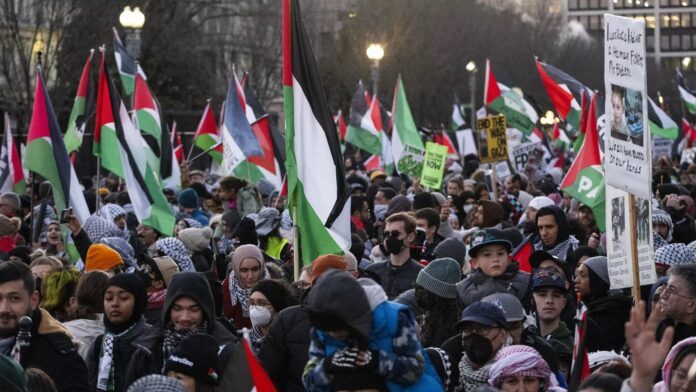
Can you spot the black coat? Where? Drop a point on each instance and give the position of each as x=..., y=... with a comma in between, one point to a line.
x=285, y=350
x=52, y=351
x=396, y=280
x=605, y=323
x=122, y=353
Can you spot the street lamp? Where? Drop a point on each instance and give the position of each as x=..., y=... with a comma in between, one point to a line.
x=471, y=68
x=132, y=20
x=375, y=52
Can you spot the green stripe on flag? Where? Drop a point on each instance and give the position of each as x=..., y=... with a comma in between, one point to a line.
x=149, y=124
x=47, y=168
x=248, y=171
x=364, y=139
x=72, y=139
x=111, y=157
x=128, y=82
x=669, y=133
x=588, y=187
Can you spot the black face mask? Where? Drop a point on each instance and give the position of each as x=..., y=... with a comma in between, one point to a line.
x=393, y=245
x=425, y=300
x=477, y=348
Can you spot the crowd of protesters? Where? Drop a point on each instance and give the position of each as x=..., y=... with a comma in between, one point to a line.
x=429, y=296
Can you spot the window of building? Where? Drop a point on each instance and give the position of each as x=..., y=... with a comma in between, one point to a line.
x=650, y=43
x=664, y=42
x=675, y=42
x=686, y=42
x=594, y=22
x=572, y=4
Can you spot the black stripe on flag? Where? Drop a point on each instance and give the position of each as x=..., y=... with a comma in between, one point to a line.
x=60, y=153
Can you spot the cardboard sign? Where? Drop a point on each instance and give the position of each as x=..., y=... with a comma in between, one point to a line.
x=661, y=147
x=520, y=155
x=492, y=140
x=411, y=161
x=433, y=165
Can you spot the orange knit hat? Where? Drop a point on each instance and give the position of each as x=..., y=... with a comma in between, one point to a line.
x=102, y=258
x=325, y=262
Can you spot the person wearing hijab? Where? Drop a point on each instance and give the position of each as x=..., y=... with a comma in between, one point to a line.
x=676, y=367
x=109, y=355
x=553, y=232
x=116, y=214
x=248, y=268
x=174, y=248
x=517, y=366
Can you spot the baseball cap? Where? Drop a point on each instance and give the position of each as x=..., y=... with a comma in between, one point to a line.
x=548, y=277
x=484, y=313
x=537, y=257
x=488, y=237
x=511, y=305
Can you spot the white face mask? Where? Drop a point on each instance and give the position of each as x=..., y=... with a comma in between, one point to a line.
x=260, y=316
x=468, y=207
x=380, y=210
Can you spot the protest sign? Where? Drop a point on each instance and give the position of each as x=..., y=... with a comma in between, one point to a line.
x=411, y=161
x=466, y=143
x=627, y=160
x=688, y=155
x=521, y=154
x=492, y=141
x=661, y=147
x=619, y=230
x=433, y=165
x=502, y=170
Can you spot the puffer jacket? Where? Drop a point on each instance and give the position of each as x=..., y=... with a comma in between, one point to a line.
x=395, y=280
x=479, y=285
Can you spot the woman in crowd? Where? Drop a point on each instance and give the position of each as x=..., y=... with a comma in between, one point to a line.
x=267, y=299
x=58, y=293
x=248, y=268
x=520, y=368
x=88, y=315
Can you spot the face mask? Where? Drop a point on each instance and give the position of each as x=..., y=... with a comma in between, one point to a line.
x=468, y=208
x=393, y=245
x=260, y=316
x=425, y=300
x=477, y=348
x=380, y=210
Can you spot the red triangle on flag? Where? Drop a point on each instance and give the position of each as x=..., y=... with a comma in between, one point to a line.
x=491, y=89
x=262, y=382
x=522, y=253
x=262, y=130
x=589, y=154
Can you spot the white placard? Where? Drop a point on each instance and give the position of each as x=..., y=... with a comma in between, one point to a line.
x=520, y=155
x=661, y=147
x=627, y=147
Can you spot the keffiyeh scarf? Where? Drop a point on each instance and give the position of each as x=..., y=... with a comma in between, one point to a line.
x=240, y=295
x=105, y=378
x=561, y=250
x=124, y=249
x=470, y=378
x=112, y=211
x=97, y=228
x=174, y=248
x=173, y=336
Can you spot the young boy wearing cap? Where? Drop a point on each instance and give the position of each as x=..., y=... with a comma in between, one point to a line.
x=493, y=269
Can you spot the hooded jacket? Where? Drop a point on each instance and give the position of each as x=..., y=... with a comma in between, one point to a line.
x=565, y=243
x=479, y=285
x=606, y=318
x=148, y=358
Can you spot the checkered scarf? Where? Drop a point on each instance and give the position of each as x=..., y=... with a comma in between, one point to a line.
x=105, y=378
x=674, y=254
x=112, y=211
x=659, y=242
x=470, y=378
x=174, y=248
x=516, y=207
x=518, y=361
x=561, y=250
x=122, y=247
x=173, y=336
x=97, y=228
x=663, y=218
x=156, y=383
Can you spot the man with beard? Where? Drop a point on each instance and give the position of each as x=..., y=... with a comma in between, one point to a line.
x=50, y=347
x=553, y=233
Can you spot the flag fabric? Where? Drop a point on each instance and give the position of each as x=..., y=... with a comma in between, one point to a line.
x=262, y=382
x=126, y=157
x=585, y=178
x=522, y=253
x=688, y=133
x=560, y=137
x=374, y=162
x=403, y=129
x=177, y=144
x=11, y=172
x=466, y=143
x=238, y=139
x=78, y=120
x=564, y=91
x=125, y=62
x=341, y=125
x=387, y=155
x=443, y=138
x=364, y=122
x=580, y=367
x=207, y=135
x=660, y=123
x=315, y=171
x=519, y=113
x=47, y=156
x=687, y=97
x=276, y=136
x=171, y=174
x=457, y=123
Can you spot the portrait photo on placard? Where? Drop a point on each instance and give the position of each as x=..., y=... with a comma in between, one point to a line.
x=627, y=114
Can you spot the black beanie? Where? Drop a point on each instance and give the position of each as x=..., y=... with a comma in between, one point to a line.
x=134, y=285
x=276, y=294
x=197, y=357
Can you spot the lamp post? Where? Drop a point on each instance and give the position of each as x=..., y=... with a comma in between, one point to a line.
x=472, y=69
x=375, y=52
x=132, y=20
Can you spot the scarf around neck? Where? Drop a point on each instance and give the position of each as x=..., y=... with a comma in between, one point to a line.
x=105, y=378
x=560, y=250
x=238, y=295
x=173, y=337
x=470, y=378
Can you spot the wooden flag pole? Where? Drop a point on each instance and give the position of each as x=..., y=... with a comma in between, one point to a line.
x=634, y=247
x=98, y=197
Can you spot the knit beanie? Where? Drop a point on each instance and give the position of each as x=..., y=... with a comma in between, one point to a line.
x=663, y=218
x=12, y=376
x=540, y=202
x=188, y=198
x=196, y=240
x=452, y=248
x=325, y=262
x=156, y=383
x=244, y=252
x=440, y=277
x=101, y=257
x=276, y=294
x=196, y=356
x=134, y=285
x=167, y=268
x=598, y=265
x=9, y=226
x=675, y=254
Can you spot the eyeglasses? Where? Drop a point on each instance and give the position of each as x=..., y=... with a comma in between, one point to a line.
x=393, y=233
x=482, y=330
x=260, y=303
x=671, y=290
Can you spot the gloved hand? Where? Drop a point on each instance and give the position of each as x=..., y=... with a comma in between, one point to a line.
x=342, y=360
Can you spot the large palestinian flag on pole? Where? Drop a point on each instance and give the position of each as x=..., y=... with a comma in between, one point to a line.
x=362, y=131
x=238, y=139
x=177, y=145
x=564, y=91
x=125, y=62
x=316, y=176
x=499, y=98
x=207, y=135
x=404, y=134
x=126, y=157
x=585, y=178
x=688, y=98
x=11, y=173
x=660, y=123
x=457, y=122
x=77, y=121
x=47, y=156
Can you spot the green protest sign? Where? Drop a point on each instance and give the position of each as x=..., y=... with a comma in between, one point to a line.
x=433, y=165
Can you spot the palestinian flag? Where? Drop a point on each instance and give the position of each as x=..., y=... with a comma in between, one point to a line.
x=519, y=113
x=125, y=62
x=404, y=133
x=315, y=172
x=364, y=122
x=262, y=382
x=78, y=120
x=238, y=139
x=688, y=133
x=207, y=135
x=374, y=162
x=522, y=253
x=169, y=165
x=387, y=155
x=126, y=157
x=660, y=123
x=47, y=156
x=564, y=91
x=177, y=144
x=458, y=122
x=276, y=136
x=11, y=173
x=443, y=138
x=580, y=367
x=341, y=125
x=560, y=138
x=688, y=98
x=585, y=178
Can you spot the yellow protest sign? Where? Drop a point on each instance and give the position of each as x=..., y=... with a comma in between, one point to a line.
x=492, y=140
x=433, y=165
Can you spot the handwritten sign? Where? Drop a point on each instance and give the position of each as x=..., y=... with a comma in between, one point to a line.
x=492, y=140
x=433, y=165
